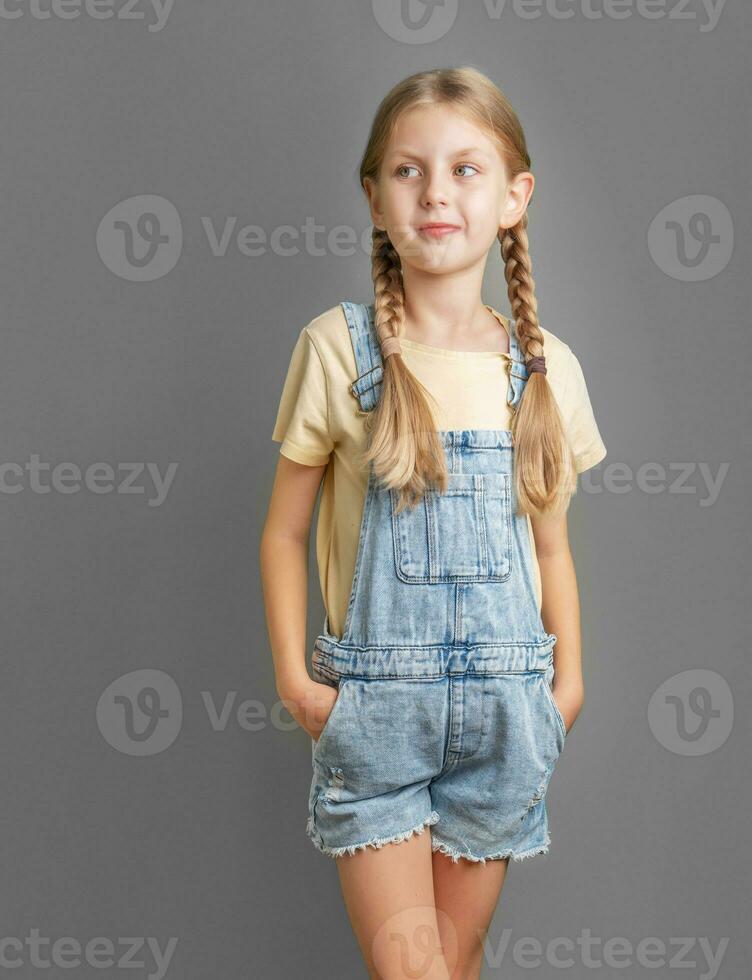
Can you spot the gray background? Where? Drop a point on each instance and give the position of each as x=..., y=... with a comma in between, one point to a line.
x=261, y=112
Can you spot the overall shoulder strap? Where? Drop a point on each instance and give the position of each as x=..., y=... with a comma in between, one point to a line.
x=518, y=374
x=368, y=364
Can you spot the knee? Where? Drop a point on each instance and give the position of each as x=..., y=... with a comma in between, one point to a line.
x=412, y=961
x=468, y=963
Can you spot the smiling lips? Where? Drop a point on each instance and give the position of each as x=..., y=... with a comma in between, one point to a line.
x=437, y=229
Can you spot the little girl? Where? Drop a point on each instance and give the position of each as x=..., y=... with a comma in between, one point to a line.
x=449, y=439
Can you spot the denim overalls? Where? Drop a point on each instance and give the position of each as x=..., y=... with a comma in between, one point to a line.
x=444, y=717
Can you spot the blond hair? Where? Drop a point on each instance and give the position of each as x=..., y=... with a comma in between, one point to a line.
x=404, y=446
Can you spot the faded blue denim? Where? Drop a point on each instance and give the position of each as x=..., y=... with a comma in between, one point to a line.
x=444, y=716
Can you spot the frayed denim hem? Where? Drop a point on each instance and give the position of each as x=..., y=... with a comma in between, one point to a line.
x=374, y=842
x=455, y=855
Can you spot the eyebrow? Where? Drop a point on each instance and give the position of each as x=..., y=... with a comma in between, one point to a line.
x=407, y=152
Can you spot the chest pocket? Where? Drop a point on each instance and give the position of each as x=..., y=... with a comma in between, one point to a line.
x=462, y=535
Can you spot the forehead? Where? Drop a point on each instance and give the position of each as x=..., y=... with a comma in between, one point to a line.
x=439, y=129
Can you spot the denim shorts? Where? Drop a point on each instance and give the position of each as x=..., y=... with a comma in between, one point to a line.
x=461, y=743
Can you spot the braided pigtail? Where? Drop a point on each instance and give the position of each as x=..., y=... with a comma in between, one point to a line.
x=404, y=448
x=545, y=474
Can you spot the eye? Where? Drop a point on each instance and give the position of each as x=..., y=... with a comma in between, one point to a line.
x=468, y=165
x=405, y=166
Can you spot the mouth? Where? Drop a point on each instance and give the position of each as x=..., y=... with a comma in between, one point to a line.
x=437, y=229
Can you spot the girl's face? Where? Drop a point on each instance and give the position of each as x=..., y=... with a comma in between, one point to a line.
x=442, y=193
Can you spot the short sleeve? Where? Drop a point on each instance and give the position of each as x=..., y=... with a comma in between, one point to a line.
x=581, y=427
x=302, y=424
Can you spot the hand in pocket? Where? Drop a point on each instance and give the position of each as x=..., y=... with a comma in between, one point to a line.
x=569, y=702
x=312, y=706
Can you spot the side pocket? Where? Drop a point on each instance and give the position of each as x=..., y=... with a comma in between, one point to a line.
x=554, y=706
x=336, y=708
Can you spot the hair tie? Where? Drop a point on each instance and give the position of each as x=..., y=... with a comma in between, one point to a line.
x=536, y=364
x=390, y=346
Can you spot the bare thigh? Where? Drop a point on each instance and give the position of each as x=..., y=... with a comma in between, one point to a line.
x=466, y=895
x=389, y=896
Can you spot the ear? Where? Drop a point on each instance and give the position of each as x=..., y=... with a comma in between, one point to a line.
x=377, y=217
x=519, y=191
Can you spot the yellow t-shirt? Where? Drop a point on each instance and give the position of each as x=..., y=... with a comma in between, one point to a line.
x=320, y=421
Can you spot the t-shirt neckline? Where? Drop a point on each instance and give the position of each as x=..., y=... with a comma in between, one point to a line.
x=448, y=352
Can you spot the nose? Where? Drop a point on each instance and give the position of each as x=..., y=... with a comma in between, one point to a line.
x=434, y=192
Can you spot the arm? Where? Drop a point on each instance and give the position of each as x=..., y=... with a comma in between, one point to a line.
x=283, y=558
x=560, y=612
